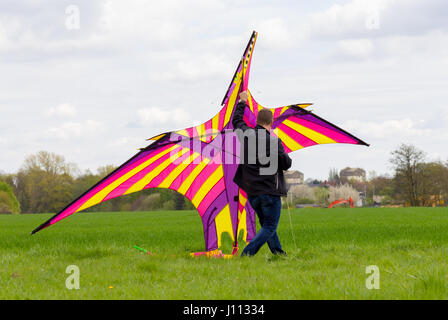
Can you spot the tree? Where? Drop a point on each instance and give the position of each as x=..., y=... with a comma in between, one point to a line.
x=105, y=170
x=301, y=194
x=333, y=176
x=371, y=175
x=383, y=186
x=45, y=182
x=179, y=201
x=408, y=162
x=435, y=184
x=322, y=195
x=50, y=163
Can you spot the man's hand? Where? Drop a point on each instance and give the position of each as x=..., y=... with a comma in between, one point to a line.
x=244, y=96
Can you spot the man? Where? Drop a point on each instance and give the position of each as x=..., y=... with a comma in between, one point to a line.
x=263, y=188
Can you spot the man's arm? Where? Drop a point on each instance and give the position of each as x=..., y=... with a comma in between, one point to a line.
x=284, y=161
x=238, y=121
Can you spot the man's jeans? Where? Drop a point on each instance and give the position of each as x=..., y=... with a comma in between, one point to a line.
x=268, y=209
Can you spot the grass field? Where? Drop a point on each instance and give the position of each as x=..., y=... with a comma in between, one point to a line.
x=334, y=246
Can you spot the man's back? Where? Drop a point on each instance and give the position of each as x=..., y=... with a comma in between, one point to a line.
x=263, y=159
x=260, y=174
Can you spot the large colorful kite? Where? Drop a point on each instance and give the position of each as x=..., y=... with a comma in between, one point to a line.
x=200, y=162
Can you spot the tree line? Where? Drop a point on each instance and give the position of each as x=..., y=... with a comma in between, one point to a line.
x=46, y=183
x=415, y=182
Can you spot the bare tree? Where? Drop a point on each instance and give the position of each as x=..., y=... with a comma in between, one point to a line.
x=333, y=176
x=408, y=162
x=50, y=163
x=45, y=182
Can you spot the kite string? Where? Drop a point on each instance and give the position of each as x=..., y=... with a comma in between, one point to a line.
x=290, y=224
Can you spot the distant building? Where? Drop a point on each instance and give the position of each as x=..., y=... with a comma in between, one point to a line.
x=293, y=178
x=356, y=174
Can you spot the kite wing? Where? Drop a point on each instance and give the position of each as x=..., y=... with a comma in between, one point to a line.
x=189, y=161
x=190, y=167
x=299, y=128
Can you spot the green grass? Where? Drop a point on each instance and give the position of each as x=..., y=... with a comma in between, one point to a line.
x=334, y=246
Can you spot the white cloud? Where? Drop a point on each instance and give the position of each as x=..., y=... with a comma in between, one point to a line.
x=62, y=110
x=385, y=85
x=121, y=143
x=189, y=67
x=389, y=129
x=69, y=130
x=157, y=117
x=360, y=48
x=378, y=18
x=276, y=34
x=149, y=22
x=355, y=17
x=433, y=43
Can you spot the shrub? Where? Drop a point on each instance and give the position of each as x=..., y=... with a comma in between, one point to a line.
x=300, y=193
x=8, y=201
x=343, y=192
x=322, y=195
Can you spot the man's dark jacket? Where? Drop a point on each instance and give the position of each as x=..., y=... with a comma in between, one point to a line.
x=248, y=176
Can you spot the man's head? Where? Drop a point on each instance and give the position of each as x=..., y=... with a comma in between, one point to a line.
x=265, y=118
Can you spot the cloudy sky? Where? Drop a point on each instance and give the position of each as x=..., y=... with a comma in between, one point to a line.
x=91, y=80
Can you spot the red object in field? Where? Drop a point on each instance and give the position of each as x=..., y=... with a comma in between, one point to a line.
x=340, y=201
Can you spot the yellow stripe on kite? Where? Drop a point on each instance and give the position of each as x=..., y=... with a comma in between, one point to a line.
x=139, y=185
x=251, y=103
x=207, y=186
x=198, y=131
x=183, y=132
x=215, y=123
x=242, y=226
x=189, y=180
x=307, y=132
x=287, y=140
x=284, y=109
x=223, y=223
x=177, y=171
x=99, y=196
x=202, y=133
x=231, y=102
x=157, y=137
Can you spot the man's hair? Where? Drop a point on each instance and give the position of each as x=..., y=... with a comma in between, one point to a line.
x=264, y=117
